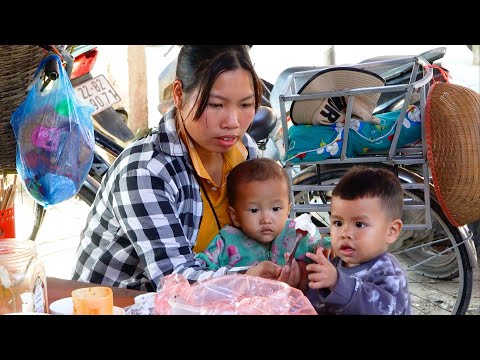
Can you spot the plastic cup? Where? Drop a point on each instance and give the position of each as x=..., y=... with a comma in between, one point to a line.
x=7, y=223
x=97, y=300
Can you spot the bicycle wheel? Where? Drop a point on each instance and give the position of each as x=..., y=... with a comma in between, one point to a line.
x=86, y=195
x=442, y=284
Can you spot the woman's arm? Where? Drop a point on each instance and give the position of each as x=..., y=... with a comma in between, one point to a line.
x=149, y=212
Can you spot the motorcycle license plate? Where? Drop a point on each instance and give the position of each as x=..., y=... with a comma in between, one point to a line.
x=98, y=92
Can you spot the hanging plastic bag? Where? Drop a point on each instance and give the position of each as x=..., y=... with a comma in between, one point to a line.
x=55, y=141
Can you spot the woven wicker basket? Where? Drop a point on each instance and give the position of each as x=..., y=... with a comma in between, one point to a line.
x=453, y=139
x=17, y=67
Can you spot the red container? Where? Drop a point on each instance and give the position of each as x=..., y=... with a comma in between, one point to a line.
x=84, y=63
x=7, y=223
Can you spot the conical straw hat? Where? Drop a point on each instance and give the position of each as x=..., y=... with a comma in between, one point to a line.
x=326, y=111
x=452, y=122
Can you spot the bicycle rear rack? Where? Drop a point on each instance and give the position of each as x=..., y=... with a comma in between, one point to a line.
x=415, y=155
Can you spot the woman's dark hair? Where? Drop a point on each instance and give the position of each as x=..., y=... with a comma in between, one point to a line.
x=198, y=67
x=258, y=169
x=366, y=182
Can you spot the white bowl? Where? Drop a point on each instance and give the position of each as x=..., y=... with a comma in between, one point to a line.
x=65, y=307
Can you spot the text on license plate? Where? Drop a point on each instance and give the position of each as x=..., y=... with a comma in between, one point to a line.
x=98, y=92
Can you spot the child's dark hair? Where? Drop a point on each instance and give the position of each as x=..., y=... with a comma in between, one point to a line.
x=259, y=169
x=367, y=182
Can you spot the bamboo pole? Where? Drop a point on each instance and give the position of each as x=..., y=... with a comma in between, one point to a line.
x=6, y=199
x=7, y=195
x=1, y=192
x=14, y=190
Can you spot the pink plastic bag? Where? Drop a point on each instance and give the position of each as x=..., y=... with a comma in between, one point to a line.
x=236, y=294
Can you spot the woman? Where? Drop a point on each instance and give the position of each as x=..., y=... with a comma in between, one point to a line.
x=166, y=193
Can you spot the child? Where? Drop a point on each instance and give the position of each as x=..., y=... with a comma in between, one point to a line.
x=258, y=194
x=366, y=211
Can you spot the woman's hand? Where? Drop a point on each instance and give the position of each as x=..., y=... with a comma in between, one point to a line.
x=290, y=274
x=303, y=284
x=266, y=269
x=294, y=275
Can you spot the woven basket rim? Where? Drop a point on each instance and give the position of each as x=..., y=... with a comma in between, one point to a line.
x=447, y=104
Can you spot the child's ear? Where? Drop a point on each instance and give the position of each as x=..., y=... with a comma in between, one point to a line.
x=233, y=216
x=394, y=230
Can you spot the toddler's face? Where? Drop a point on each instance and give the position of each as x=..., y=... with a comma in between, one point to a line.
x=262, y=209
x=361, y=229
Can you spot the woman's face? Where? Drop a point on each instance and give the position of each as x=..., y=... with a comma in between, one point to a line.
x=229, y=112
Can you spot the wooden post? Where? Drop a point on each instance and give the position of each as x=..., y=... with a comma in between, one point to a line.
x=330, y=55
x=137, y=89
x=476, y=54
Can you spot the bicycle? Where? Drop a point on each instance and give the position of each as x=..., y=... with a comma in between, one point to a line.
x=438, y=257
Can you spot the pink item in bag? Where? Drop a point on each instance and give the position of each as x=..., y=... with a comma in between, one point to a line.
x=46, y=137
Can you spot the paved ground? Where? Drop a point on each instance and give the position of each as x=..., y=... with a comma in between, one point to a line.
x=58, y=237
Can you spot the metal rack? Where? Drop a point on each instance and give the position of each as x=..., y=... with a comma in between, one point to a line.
x=416, y=155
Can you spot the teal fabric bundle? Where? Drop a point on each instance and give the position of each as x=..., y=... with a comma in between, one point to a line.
x=321, y=142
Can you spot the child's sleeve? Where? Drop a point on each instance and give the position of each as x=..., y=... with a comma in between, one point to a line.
x=381, y=290
x=213, y=256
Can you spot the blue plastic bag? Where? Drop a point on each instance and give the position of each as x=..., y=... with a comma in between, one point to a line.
x=55, y=141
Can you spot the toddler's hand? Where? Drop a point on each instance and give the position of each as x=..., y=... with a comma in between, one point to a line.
x=322, y=273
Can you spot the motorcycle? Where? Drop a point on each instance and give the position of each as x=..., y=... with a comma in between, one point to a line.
x=111, y=131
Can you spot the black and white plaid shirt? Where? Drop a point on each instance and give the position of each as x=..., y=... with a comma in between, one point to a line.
x=145, y=218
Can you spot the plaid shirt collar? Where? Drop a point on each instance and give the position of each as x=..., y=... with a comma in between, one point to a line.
x=172, y=145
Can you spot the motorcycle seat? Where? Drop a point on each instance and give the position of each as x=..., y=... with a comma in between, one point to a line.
x=263, y=123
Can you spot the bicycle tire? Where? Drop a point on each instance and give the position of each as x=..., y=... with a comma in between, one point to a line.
x=86, y=195
x=475, y=229
x=422, y=284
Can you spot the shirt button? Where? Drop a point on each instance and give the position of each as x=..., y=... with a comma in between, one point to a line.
x=214, y=188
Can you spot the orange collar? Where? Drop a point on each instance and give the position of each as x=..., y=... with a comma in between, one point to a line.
x=231, y=158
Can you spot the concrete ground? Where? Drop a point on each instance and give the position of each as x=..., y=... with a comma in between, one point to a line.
x=59, y=235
